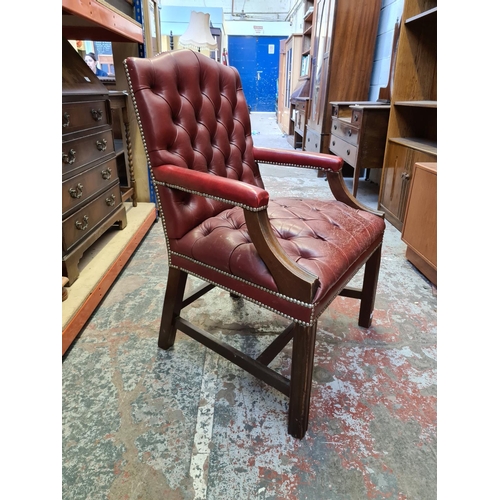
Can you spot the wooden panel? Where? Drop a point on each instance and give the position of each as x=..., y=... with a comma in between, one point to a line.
x=420, y=226
x=398, y=170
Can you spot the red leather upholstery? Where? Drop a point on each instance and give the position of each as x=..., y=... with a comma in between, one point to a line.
x=195, y=120
x=323, y=237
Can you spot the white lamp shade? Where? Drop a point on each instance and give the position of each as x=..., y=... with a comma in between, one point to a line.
x=198, y=32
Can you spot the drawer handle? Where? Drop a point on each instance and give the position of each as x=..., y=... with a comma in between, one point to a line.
x=348, y=152
x=356, y=117
x=333, y=143
x=76, y=192
x=335, y=127
x=316, y=145
x=96, y=114
x=66, y=119
x=81, y=226
x=110, y=200
x=69, y=157
x=101, y=145
x=349, y=133
x=106, y=174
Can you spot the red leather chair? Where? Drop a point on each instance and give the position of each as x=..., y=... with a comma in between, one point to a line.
x=290, y=255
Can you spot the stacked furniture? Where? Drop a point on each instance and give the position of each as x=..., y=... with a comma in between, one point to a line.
x=359, y=128
x=343, y=45
x=91, y=195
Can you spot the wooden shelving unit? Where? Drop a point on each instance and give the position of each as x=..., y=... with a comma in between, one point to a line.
x=99, y=20
x=412, y=129
x=102, y=262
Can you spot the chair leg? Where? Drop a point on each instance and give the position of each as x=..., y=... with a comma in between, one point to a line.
x=301, y=379
x=369, y=290
x=172, y=305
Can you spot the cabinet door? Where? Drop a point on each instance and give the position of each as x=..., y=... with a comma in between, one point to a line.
x=398, y=171
x=420, y=226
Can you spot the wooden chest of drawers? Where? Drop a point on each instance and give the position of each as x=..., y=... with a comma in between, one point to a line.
x=358, y=134
x=91, y=197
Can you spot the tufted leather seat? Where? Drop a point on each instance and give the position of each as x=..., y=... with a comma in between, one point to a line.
x=290, y=255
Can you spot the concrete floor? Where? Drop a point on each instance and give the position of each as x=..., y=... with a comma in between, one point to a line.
x=142, y=423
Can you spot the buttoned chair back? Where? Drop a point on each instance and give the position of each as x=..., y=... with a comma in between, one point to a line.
x=197, y=118
x=292, y=256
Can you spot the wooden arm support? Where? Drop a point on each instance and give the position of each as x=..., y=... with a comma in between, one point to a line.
x=290, y=278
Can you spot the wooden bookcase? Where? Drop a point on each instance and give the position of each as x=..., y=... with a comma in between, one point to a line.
x=412, y=129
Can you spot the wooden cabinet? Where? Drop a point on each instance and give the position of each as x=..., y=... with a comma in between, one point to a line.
x=91, y=198
x=288, y=79
x=358, y=134
x=343, y=45
x=412, y=129
x=420, y=226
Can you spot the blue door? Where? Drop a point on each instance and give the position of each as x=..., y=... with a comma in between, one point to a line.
x=257, y=60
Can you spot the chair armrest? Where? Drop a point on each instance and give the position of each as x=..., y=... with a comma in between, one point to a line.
x=231, y=191
x=320, y=161
x=290, y=278
x=317, y=161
